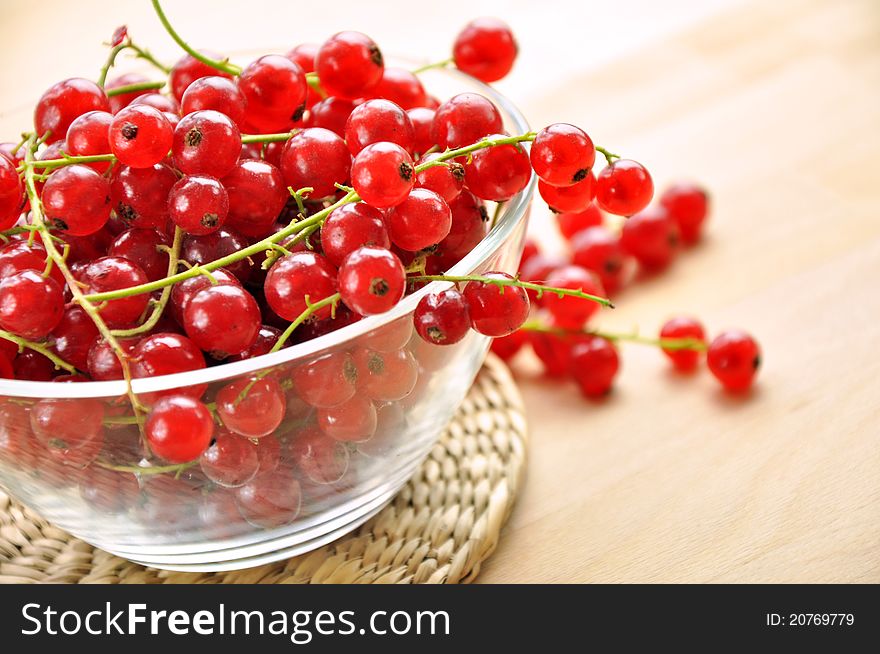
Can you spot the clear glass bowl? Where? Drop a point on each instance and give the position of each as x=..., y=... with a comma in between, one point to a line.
x=182, y=521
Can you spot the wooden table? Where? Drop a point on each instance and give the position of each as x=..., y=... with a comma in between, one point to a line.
x=774, y=106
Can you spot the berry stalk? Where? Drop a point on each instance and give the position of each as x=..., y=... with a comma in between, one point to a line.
x=671, y=344
x=138, y=86
x=41, y=349
x=224, y=66
x=311, y=309
x=141, y=53
x=501, y=282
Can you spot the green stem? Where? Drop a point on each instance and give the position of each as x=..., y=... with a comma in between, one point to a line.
x=487, y=142
x=315, y=83
x=267, y=138
x=503, y=281
x=131, y=88
x=69, y=160
x=671, y=344
x=60, y=363
x=609, y=156
x=437, y=64
x=224, y=66
x=159, y=308
x=311, y=309
x=140, y=52
x=144, y=54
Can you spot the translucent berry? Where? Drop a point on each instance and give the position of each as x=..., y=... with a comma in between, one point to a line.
x=275, y=89
x=188, y=69
x=573, y=222
x=76, y=200
x=112, y=274
x=421, y=220
x=496, y=310
x=734, y=358
x=350, y=227
x=140, y=136
x=624, y=188
x=252, y=407
x=383, y=174
x=683, y=327
x=569, y=199
x=562, y=154
x=179, y=429
x=401, y=87
x=31, y=305
x=231, y=460
x=597, y=249
x=378, y=120
x=465, y=119
x=140, y=195
x=652, y=237
x=295, y=276
x=89, y=135
x=206, y=143
x=315, y=158
x=688, y=205
x=568, y=311
x=499, y=172
x=257, y=195
x=198, y=204
x=371, y=280
x=217, y=94
x=594, y=364
x=442, y=318
x=65, y=102
x=349, y=65
x=222, y=319
x=486, y=49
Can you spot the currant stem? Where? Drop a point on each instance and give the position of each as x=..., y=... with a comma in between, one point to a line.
x=68, y=160
x=224, y=66
x=131, y=88
x=501, y=282
x=609, y=156
x=159, y=308
x=437, y=64
x=141, y=54
x=60, y=364
x=311, y=309
x=672, y=344
x=267, y=138
x=479, y=145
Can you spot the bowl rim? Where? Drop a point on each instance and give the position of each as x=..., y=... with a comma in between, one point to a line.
x=513, y=214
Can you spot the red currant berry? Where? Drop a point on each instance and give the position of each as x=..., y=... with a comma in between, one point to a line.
x=442, y=318
x=383, y=174
x=76, y=200
x=199, y=250
x=571, y=312
x=688, y=205
x=31, y=305
x=685, y=360
x=496, y=310
x=390, y=337
x=599, y=250
x=143, y=247
x=188, y=69
x=331, y=113
x=103, y=364
x=231, y=461
x=68, y=424
x=446, y=180
x=89, y=135
x=140, y=195
x=275, y=89
x=562, y=154
x=140, y=136
x=65, y=102
x=315, y=158
x=652, y=237
x=371, y=280
x=17, y=256
x=470, y=222
x=120, y=101
x=33, y=366
x=206, y=143
x=624, y=188
x=198, y=205
x=161, y=102
x=386, y=376
x=349, y=65
x=420, y=221
x=486, y=49
x=179, y=429
x=11, y=194
x=271, y=499
x=422, y=120
x=350, y=227
x=553, y=350
x=322, y=459
x=269, y=454
x=499, y=172
x=304, y=55
x=252, y=407
x=215, y=93
x=506, y=347
x=167, y=354
x=326, y=382
x=182, y=292
x=295, y=276
x=354, y=420
x=375, y=121
x=256, y=196
x=734, y=358
x=112, y=274
x=74, y=336
x=465, y=119
x=572, y=223
x=594, y=364
x=266, y=340
x=569, y=199
x=401, y=87
x=222, y=319
x=530, y=251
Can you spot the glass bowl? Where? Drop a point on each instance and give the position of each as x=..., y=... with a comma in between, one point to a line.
x=311, y=488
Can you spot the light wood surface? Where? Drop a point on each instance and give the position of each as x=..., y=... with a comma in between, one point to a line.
x=776, y=108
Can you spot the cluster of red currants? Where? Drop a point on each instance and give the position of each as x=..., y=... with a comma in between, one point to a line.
x=602, y=260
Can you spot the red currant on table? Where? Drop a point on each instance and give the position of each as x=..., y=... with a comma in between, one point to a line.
x=464, y=119
x=594, y=364
x=486, y=49
x=573, y=222
x=275, y=89
x=554, y=351
x=252, y=407
x=599, y=250
x=507, y=346
x=198, y=204
x=140, y=136
x=31, y=305
x=570, y=312
x=652, y=237
x=499, y=172
x=231, y=461
x=179, y=429
x=383, y=174
x=734, y=358
x=217, y=94
x=349, y=65
x=350, y=227
x=89, y=135
x=624, y=188
x=378, y=120
x=421, y=220
x=222, y=319
x=569, y=199
x=256, y=196
x=316, y=158
x=206, y=143
x=562, y=154
x=188, y=69
x=65, y=102
x=76, y=200
x=684, y=360
x=688, y=206
x=442, y=318
x=496, y=310
x=295, y=276
x=371, y=280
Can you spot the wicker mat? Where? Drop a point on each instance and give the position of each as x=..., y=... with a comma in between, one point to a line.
x=438, y=529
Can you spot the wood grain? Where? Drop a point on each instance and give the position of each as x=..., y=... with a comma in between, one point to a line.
x=774, y=106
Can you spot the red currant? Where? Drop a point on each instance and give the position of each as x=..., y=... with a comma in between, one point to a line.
x=33, y=366
x=188, y=69
x=143, y=247
x=594, y=364
x=375, y=121
x=506, y=347
x=166, y=354
x=496, y=310
x=222, y=319
x=275, y=89
x=419, y=221
x=68, y=424
x=652, y=237
x=17, y=256
x=182, y=292
x=383, y=174
x=322, y=459
x=199, y=250
x=74, y=336
x=597, y=249
x=231, y=461
x=685, y=360
x=295, y=276
x=65, y=102
x=734, y=358
x=464, y=119
x=331, y=113
x=89, y=135
x=350, y=227
x=122, y=100
x=354, y=420
x=140, y=136
x=252, y=407
x=161, y=102
x=256, y=196
x=624, y=188
x=271, y=499
x=198, y=204
x=401, y=87
x=470, y=222
x=442, y=318
x=569, y=199
x=349, y=65
x=112, y=274
x=422, y=120
x=688, y=205
x=315, y=158
x=371, y=280
x=304, y=55
x=562, y=154
x=103, y=364
x=217, y=94
x=499, y=172
x=76, y=200
x=571, y=312
x=266, y=340
x=446, y=180
x=140, y=195
x=386, y=376
x=486, y=49
x=206, y=143
x=572, y=223
x=179, y=429
x=327, y=381
x=31, y=305
x=11, y=194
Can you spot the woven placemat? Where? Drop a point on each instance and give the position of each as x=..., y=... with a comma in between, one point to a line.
x=438, y=529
